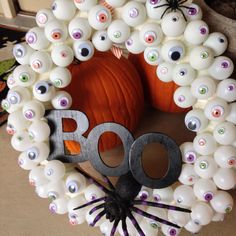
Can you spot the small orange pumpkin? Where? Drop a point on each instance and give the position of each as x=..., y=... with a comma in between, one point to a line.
x=106, y=89
x=158, y=93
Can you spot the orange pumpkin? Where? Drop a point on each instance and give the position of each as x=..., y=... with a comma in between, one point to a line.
x=106, y=89
x=158, y=93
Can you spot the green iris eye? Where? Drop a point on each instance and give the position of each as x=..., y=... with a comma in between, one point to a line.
x=203, y=165
x=203, y=90
x=57, y=83
x=204, y=55
x=24, y=78
x=154, y=225
x=221, y=131
x=117, y=34
x=152, y=56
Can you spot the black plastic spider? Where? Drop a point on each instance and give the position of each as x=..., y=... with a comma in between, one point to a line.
x=119, y=203
x=174, y=5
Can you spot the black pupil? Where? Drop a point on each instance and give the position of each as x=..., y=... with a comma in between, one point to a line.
x=192, y=126
x=84, y=52
x=103, y=37
x=175, y=56
x=42, y=89
x=222, y=40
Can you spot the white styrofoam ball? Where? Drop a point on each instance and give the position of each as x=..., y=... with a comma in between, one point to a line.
x=37, y=177
x=232, y=113
x=184, y=195
x=154, y=8
x=99, y=17
x=56, y=31
x=204, y=144
x=83, y=50
x=25, y=163
x=201, y=57
x=218, y=217
x=202, y=213
x=203, y=87
x=226, y=90
x=205, y=167
x=225, y=156
x=11, y=81
x=183, y=97
x=134, y=44
x=21, y=141
x=41, y=191
x=43, y=16
x=180, y=218
x=192, y=227
x=184, y=74
x=36, y=39
x=225, y=178
x=195, y=120
x=41, y=62
x=193, y=12
x=62, y=55
x=54, y=170
x=216, y=109
x=221, y=68
x=116, y=3
x=173, y=24
x=101, y=41
x=22, y=53
x=92, y=192
x=38, y=152
x=133, y=13
x=39, y=131
x=158, y=212
x=222, y=202
x=188, y=176
x=60, y=77
x=59, y=206
x=79, y=29
x=63, y=9
x=55, y=189
x=118, y=31
x=151, y=34
x=85, y=5
x=164, y=195
x=217, y=42
x=24, y=75
x=43, y=91
x=75, y=183
x=189, y=155
x=173, y=51
x=164, y=71
x=152, y=55
x=196, y=32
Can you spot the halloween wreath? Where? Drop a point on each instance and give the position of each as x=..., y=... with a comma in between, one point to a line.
x=68, y=54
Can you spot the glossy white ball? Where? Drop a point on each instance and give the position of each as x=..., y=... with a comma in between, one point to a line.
x=60, y=77
x=164, y=71
x=225, y=179
x=101, y=41
x=92, y=192
x=75, y=183
x=155, y=13
x=39, y=152
x=54, y=170
x=37, y=177
x=22, y=53
x=225, y=156
x=25, y=163
x=59, y=206
x=226, y=90
x=85, y=5
x=189, y=155
x=24, y=76
x=152, y=55
x=43, y=16
x=134, y=44
x=43, y=91
x=184, y=196
x=21, y=141
x=188, y=176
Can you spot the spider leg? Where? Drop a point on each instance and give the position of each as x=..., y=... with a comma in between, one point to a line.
x=163, y=5
x=160, y=205
x=135, y=223
x=98, y=217
x=182, y=2
x=103, y=188
x=96, y=208
x=113, y=230
x=165, y=12
x=183, y=14
x=124, y=227
x=150, y=216
x=90, y=203
x=106, y=179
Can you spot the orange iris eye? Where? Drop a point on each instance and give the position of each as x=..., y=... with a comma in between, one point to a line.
x=102, y=16
x=150, y=37
x=56, y=34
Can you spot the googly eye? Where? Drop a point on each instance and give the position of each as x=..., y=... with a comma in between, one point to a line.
x=42, y=87
x=32, y=153
x=75, y=183
x=62, y=100
x=72, y=186
x=152, y=55
x=14, y=98
x=83, y=50
x=43, y=91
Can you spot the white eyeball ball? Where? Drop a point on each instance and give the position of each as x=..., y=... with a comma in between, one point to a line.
x=155, y=9
x=222, y=202
x=60, y=77
x=194, y=13
x=192, y=227
x=54, y=170
x=180, y=218
x=173, y=51
x=43, y=16
x=22, y=53
x=225, y=133
x=134, y=13
x=203, y=87
x=173, y=24
x=118, y=31
x=170, y=230
x=56, y=31
x=37, y=177
x=218, y=217
x=152, y=55
x=41, y=191
x=62, y=55
x=11, y=81
x=101, y=41
x=225, y=178
x=201, y=57
x=24, y=75
x=204, y=144
x=184, y=196
x=225, y=156
x=189, y=155
x=59, y=206
x=79, y=29
x=148, y=229
x=38, y=152
x=134, y=44
x=202, y=213
x=63, y=9
x=216, y=109
x=222, y=68
x=226, y=90
x=106, y=227
x=36, y=39
x=39, y=131
x=217, y=42
x=41, y=62
x=183, y=97
x=92, y=192
x=55, y=189
x=184, y=74
x=75, y=183
x=21, y=141
x=158, y=212
x=164, y=195
x=196, y=32
x=43, y=91
x=25, y=163
x=83, y=50
x=116, y=3
x=85, y=5
x=188, y=176
x=205, y=167
x=33, y=110
x=99, y=17
x=195, y=120
x=151, y=34
x=232, y=113
x=164, y=71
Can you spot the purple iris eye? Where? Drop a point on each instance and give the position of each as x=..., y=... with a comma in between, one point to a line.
x=231, y=87
x=143, y=196
x=63, y=102
x=77, y=34
x=133, y=13
x=31, y=37
x=153, y=2
x=225, y=64
x=172, y=232
x=29, y=114
x=208, y=196
x=192, y=11
x=129, y=42
x=190, y=157
x=203, y=30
